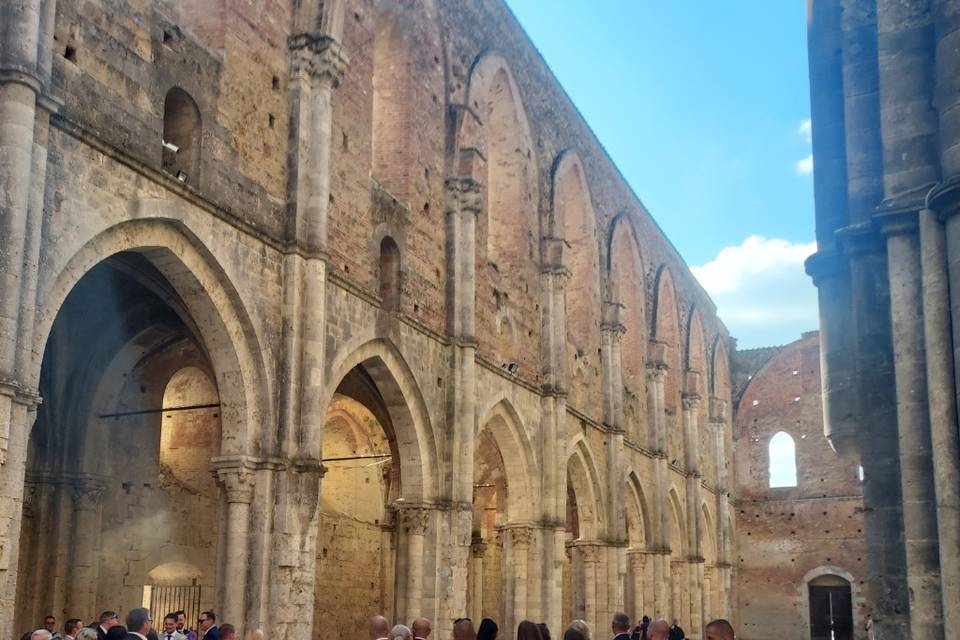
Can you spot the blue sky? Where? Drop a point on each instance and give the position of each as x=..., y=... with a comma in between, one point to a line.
x=702, y=105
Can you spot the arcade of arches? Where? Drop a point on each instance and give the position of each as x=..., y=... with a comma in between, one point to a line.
x=433, y=358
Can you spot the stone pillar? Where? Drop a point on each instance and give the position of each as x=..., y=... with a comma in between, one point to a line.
x=463, y=205
x=85, y=541
x=945, y=440
x=517, y=541
x=612, y=331
x=656, y=373
x=317, y=63
x=591, y=560
x=941, y=368
x=913, y=419
x=237, y=483
x=905, y=46
x=637, y=560
x=553, y=434
x=413, y=523
x=721, y=571
x=477, y=551
x=691, y=426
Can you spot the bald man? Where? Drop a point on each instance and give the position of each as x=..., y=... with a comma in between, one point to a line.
x=379, y=628
x=720, y=629
x=463, y=630
x=658, y=630
x=421, y=629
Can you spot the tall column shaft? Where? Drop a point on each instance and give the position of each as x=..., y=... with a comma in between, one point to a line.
x=84, y=559
x=237, y=483
x=944, y=436
x=919, y=498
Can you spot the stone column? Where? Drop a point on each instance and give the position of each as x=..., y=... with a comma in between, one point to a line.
x=637, y=560
x=317, y=63
x=945, y=440
x=22, y=79
x=463, y=205
x=691, y=424
x=656, y=373
x=477, y=551
x=721, y=571
x=517, y=541
x=414, y=522
x=237, y=483
x=913, y=419
x=85, y=541
x=941, y=367
x=591, y=605
x=553, y=434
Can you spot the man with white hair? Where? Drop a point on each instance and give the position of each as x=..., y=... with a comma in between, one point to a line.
x=41, y=634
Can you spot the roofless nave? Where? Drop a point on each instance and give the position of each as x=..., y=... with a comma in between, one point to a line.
x=365, y=262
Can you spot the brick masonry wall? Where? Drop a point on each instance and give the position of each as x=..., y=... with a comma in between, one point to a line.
x=783, y=534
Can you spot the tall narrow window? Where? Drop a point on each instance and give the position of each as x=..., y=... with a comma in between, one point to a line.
x=783, y=461
x=390, y=274
x=181, y=136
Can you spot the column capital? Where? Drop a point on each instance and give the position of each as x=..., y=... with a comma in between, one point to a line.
x=236, y=478
x=658, y=354
x=718, y=411
x=319, y=56
x=690, y=401
x=87, y=495
x=478, y=547
x=413, y=519
x=655, y=372
x=519, y=535
x=465, y=195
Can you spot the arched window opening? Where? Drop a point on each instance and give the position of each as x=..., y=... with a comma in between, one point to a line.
x=181, y=136
x=390, y=274
x=783, y=461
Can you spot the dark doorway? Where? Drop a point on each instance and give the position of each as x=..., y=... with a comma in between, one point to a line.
x=831, y=609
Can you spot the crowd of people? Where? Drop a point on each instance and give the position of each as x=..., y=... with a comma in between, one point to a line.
x=139, y=626
x=620, y=627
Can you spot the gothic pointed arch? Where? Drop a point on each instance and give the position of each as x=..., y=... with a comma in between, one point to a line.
x=574, y=222
x=376, y=374
x=584, y=483
x=504, y=426
x=208, y=297
x=666, y=347
x=497, y=135
x=627, y=286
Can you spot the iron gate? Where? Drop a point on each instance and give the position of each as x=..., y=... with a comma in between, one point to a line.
x=164, y=600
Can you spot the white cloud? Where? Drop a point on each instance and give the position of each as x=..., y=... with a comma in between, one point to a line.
x=761, y=290
x=806, y=130
x=805, y=166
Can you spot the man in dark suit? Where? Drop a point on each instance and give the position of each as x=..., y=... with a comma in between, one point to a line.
x=620, y=625
x=107, y=620
x=138, y=623
x=208, y=626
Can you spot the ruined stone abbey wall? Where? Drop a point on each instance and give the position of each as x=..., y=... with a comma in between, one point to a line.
x=382, y=232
